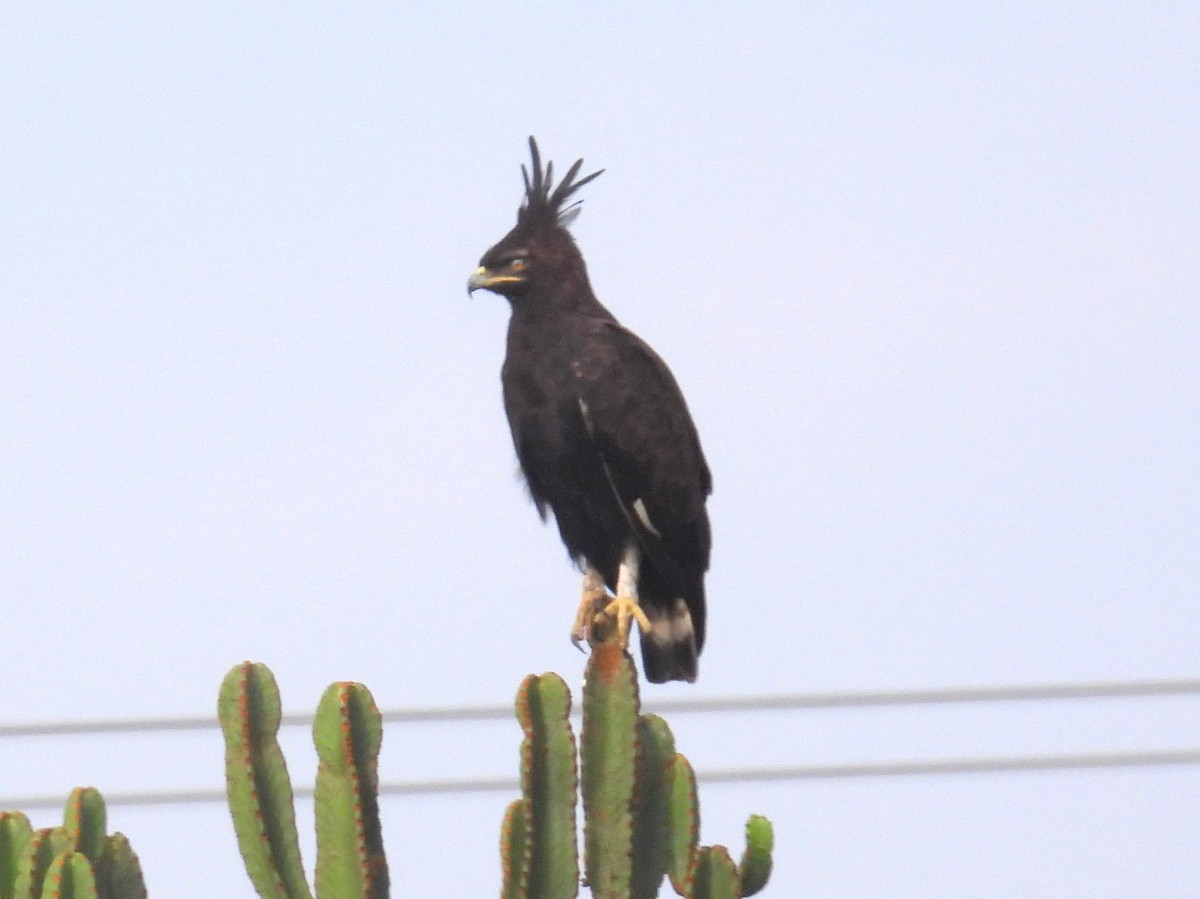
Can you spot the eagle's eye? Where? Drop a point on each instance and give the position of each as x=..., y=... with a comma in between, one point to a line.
x=517, y=265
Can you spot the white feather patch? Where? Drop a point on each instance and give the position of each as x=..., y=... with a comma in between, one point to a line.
x=587, y=415
x=639, y=509
x=627, y=573
x=674, y=627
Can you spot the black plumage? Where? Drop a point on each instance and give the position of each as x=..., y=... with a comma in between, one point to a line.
x=601, y=430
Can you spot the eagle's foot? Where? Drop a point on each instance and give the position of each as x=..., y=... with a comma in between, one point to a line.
x=591, y=608
x=624, y=607
x=625, y=610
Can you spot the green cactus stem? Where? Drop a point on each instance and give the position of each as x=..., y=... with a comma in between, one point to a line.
x=257, y=783
x=515, y=850
x=76, y=859
x=118, y=874
x=641, y=815
x=549, y=783
x=685, y=822
x=608, y=758
x=85, y=820
x=348, y=733
x=755, y=867
x=713, y=875
x=113, y=866
x=69, y=877
x=40, y=851
x=652, y=821
x=15, y=832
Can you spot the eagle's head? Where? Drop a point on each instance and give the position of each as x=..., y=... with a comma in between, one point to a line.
x=538, y=256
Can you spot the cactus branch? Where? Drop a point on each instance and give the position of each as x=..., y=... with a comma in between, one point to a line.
x=348, y=733
x=548, y=784
x=608, y=756
x=257, y=783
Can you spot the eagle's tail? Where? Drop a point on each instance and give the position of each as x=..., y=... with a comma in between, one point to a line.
x=671, y=648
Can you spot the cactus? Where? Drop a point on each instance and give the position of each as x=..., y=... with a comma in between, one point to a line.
x=70, y=877
x=548, y=781
x=76, y=860
x=257, y=783
x=712, y=874
x=117, y=871
x=515, y=853
x=684, y=813
x=347, y=733
x=641, y=817
x=653, y=827
x=15, y=832
x=609, y=759
x=755, y=867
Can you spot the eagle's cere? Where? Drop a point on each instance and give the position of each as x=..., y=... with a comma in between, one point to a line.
x=602, y=433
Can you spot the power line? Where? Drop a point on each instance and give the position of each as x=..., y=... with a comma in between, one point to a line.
x=787, y=702
x=949, y=696
x=933, y=767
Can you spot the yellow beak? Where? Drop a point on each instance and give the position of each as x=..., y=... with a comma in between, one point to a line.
x=485, y=278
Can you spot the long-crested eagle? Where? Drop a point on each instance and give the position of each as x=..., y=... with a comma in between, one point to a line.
x=602, y=434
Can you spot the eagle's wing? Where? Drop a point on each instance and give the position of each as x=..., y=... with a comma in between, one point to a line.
x=637, y=417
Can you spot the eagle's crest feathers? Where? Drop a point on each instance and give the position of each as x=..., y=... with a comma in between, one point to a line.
x=543, y=208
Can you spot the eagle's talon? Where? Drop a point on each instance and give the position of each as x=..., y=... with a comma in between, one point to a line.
x=625, y=610
x=591, y=607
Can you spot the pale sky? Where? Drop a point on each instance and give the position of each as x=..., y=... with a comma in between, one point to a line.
x=927, y=274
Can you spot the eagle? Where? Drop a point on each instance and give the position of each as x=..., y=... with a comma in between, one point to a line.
x=602, y=434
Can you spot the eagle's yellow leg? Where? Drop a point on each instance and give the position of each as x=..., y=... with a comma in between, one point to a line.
x=593, y=603
x=598, y=611
x=624, y=606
